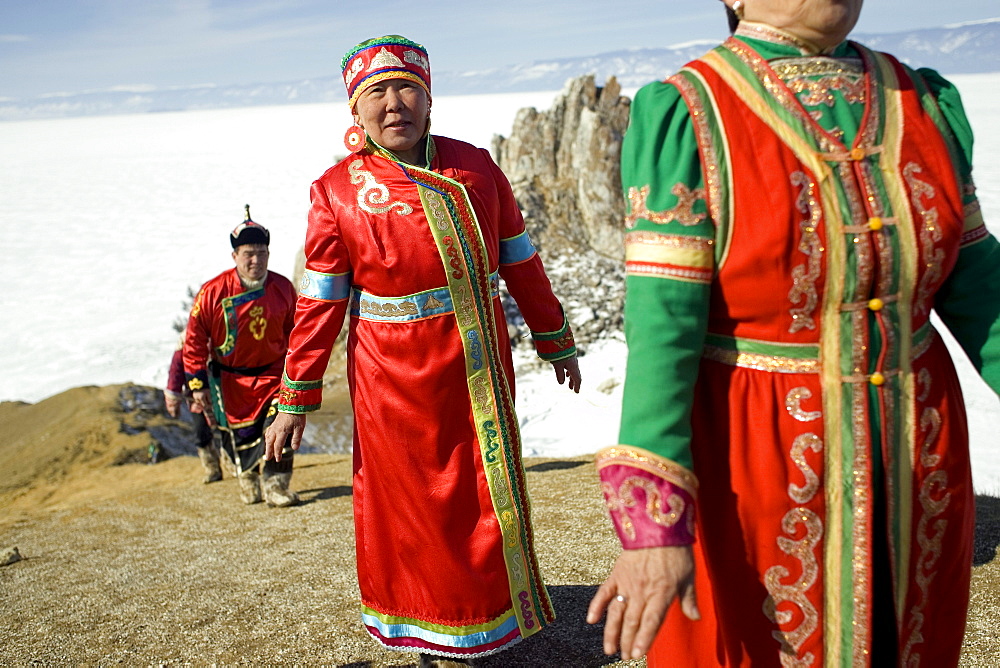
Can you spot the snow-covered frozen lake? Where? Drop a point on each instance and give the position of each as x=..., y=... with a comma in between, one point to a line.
x=107, y=221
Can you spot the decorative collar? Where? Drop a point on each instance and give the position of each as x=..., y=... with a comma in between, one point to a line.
x=430, y=150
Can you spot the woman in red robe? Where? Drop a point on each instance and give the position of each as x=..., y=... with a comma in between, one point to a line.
x=410, y=236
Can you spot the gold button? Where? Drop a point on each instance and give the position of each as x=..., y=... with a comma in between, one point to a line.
x=857, y=153
x=876, y=379
x=875, y=304
x=875, y=224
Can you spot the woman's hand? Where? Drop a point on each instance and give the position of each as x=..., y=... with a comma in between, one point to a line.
x=570, y=368
x=285, y=425
x=638, y=593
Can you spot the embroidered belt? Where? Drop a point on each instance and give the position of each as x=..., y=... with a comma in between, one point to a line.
x=790, y=357
x=427, y=304
x=762, y=355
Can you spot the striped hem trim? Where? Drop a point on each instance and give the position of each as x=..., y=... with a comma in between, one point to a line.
x=457, y=640
x=411, y=644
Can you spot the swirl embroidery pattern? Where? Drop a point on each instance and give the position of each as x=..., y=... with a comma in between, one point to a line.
x=683, y=213
x=804, y=276
x=620, y=500
x=802, y=549
x=934, y=500
x=930, y=234
x=372, y=195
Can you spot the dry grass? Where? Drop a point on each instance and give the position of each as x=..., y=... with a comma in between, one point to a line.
x=143, y=565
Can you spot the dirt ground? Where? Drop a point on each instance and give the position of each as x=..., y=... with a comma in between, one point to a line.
x=132, y=564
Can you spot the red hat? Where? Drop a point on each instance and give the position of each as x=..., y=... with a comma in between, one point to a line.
x=381, y=58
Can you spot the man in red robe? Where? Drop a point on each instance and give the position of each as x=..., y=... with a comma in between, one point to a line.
x=234, y=351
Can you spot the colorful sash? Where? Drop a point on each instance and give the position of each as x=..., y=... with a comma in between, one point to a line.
x=456, y=231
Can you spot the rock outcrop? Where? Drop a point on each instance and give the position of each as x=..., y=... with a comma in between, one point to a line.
x=563, y=167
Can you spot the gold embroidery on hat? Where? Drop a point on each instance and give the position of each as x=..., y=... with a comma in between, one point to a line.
x=417, y=58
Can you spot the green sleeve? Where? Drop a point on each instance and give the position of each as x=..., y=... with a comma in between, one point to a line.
x=969, y=301
x=950, y=103
x=969, y=304
x=665, y=318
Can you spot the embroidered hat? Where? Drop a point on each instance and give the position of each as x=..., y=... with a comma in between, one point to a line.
x=249, y=232
x=381, y=58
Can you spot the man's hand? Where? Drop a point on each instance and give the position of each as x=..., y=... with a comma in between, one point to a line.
x=638, y=593
x=284, y=425
x=172, y=402
x=570, y=368
x=203, y=400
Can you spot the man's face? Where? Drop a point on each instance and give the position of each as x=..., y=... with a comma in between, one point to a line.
x=251, y=261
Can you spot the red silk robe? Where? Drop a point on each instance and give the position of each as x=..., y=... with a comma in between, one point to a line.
x=240, y=329
x=444, y=544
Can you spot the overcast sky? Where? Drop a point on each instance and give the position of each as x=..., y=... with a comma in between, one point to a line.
x=52, y=46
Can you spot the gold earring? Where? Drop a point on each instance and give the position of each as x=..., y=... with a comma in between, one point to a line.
x=738, y=9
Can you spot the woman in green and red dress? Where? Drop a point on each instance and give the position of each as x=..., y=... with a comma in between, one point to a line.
x=793, y=462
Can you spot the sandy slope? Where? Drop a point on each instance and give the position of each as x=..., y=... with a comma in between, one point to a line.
x=143, y=565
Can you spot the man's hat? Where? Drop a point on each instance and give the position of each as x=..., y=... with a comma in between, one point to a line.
x=381, y=58
x=249, y=232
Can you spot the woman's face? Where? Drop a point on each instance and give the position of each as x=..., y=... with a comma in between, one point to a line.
x=824, y=23
x=394, y=113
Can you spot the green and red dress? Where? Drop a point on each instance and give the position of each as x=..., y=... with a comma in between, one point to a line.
x=794, y=219
x=414, y=256
x=234, y=348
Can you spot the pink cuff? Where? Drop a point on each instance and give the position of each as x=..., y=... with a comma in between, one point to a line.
x=650, y=499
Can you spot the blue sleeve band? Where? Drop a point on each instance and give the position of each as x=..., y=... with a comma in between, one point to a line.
x=516, y=249
x=325, y=287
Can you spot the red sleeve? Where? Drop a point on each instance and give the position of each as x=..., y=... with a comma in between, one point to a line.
x=320, y=308
x=175, y=376
x=197, y=339
x=527, y=282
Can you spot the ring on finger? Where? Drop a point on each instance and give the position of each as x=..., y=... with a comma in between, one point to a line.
x=621, y=599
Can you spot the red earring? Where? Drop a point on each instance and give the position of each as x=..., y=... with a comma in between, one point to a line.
x=355, y=138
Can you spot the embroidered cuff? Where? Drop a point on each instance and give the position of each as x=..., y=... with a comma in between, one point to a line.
x=299, y=396
x=555, y=346
x=650, y=499
x=197, y=381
